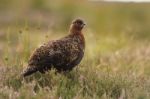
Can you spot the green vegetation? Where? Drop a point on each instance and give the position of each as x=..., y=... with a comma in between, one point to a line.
x=117, y=57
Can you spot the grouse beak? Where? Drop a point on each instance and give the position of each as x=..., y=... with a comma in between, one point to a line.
x=83, y=24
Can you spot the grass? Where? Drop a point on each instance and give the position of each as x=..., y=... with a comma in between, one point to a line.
x=113, y=68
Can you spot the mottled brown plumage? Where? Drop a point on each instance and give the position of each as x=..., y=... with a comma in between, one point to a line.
x=62, y=54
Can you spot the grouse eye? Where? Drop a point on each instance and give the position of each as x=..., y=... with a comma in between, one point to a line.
x=79, y=22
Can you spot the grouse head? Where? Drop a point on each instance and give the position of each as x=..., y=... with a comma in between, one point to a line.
x=77, y=25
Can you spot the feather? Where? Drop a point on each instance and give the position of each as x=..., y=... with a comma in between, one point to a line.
x=63, y=54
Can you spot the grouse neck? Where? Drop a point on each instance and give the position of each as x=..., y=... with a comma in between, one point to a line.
x=80, y=35
x=75, y=31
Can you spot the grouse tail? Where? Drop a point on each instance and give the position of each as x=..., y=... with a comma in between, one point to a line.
x=29, y=70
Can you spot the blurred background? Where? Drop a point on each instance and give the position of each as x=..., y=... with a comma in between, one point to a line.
x=26, y=24
x=101, y=17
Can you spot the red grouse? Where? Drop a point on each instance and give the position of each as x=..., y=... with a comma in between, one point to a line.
x=63, y=54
